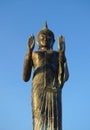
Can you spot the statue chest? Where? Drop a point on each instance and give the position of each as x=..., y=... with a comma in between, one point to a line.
x=43, y=58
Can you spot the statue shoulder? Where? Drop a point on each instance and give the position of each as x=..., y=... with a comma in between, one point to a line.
x=34, y=54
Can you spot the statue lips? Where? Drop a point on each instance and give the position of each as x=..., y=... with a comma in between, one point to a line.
x=45, y=43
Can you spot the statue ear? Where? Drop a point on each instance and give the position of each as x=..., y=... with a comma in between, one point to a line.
x=52, y=44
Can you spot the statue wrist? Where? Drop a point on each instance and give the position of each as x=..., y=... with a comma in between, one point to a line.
x=30, y=50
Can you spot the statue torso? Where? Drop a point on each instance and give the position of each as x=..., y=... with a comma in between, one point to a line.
x=46, y=67
x=42, y=58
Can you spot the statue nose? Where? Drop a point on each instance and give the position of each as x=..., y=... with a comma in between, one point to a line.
x=46, y=39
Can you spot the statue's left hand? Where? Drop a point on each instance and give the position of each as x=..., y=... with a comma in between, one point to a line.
x=31, y=43
x=61, y=48
x=61, y=44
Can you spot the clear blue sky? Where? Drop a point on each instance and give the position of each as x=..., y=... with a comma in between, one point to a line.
x=19, y=19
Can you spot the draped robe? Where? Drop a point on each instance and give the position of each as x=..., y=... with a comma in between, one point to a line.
x=46, y=91
x=46, y=88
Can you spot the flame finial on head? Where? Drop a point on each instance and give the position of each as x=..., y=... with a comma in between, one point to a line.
x=45, y=26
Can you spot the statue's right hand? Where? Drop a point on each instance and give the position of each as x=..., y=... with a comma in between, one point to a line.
x=31, y=43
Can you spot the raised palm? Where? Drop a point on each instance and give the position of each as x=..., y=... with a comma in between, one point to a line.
x=61, y=44
x=31, y=43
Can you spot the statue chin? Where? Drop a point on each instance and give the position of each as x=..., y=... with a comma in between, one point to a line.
x=44, y=47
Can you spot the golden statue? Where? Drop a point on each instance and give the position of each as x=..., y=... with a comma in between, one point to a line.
x=50, y=74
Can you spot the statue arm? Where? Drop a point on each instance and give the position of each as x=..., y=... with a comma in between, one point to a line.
x=63, y=69
x=66, y=72
x=28, y=60
x=27, y=67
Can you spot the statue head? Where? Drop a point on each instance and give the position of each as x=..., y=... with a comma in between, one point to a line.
x=45, y=38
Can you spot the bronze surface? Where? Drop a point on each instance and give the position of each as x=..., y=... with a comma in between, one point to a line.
x=50, y=74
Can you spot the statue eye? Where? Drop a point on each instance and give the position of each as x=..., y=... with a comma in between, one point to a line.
x=42, y=37
x=49, y=38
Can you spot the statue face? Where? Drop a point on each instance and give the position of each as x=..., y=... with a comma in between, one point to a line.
x=45, y=41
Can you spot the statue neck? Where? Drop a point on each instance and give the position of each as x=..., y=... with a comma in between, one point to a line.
x=44, y=48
